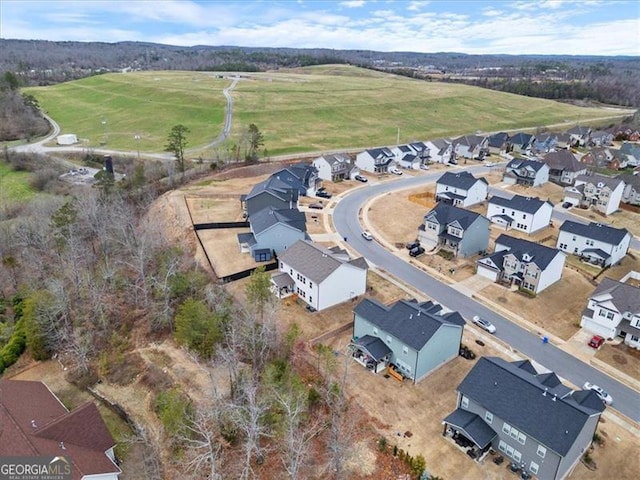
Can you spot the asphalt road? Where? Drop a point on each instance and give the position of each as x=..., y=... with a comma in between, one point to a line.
x=345, y=216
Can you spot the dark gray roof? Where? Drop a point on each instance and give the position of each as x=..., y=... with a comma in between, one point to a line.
x=380, y=152
x=315, y=262
x=520, y=399
x=518, y=163
x=579, y=130
x=596, y=231
x=474, y=427
x=268, y=217
x=405, y=320
x=521, y=139
x=463, y=180
x=630, y=179
x=596, y=252
x=625, y=297
x=282, y=280
x=563, y=160
x=498, y=140
x=597, y=179
x=468, y=140
x=520, y=203
x=337, y=158
x=539, y=254
x=247, y=238
x=376, y=347
x=444, y=214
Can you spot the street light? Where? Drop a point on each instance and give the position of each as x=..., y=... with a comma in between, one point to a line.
x=137, y=139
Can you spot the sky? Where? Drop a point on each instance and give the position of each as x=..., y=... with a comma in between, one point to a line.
x=568, y=27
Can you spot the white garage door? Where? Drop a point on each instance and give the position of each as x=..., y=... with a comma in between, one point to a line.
x=487, y=272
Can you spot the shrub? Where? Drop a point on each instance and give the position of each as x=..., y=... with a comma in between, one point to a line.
x=12, y=350
x=527, y=292
x=382, y=444
x=198, y=328
x=418, y=464
x=173, y=409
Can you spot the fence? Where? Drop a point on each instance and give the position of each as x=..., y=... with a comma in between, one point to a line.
x=426, y=199
x=245, y=273
x=219, y=225
x=630, y=208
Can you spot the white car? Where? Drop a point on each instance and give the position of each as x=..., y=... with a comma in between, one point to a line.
x=395, y=171
x=367, y=235
x=488, y=164
x=484, y=324
x=604, y=396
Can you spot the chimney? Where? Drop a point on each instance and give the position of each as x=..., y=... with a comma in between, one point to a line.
x=554, y=397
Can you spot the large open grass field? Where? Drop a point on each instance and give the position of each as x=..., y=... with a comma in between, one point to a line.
x=307, y=109
x=14, y=186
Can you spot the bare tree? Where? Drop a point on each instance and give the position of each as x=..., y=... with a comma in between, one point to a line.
x=203, y=441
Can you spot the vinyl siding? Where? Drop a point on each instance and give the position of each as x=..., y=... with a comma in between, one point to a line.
x=442, y=347
x=476, y=238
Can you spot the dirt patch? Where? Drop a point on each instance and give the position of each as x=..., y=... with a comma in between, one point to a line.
x=223, y=250
x=548, y=191
x=622, y=357
x=214, y=209
x=395, y=218
x=618, y=219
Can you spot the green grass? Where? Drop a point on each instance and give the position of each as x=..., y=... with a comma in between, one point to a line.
x=307, y=109
x=14, y=186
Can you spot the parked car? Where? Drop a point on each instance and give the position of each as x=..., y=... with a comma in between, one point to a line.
x=596, y=341
x=316, y=206
x=367, y=235
x=395, y=171
x=567, y=205
x=488, y=164
x=414, y=252
x=424, y=166
x=484, y=324
x=323, y=194
x=412, y=245
x=604, y=396
x=362, y=179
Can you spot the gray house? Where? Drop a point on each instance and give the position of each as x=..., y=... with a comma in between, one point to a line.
x=460, y=231
x=414, y=337
x=564, y=167
x=272, y=230
x=532, y=418
x=526, y=172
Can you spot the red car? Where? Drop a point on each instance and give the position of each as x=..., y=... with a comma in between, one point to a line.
x=596, y=341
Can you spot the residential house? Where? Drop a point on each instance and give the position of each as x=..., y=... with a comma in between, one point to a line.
x=375, y=160
x=461, y=189
x=596, y=243
x=440, y=151
x=417, y=338
x=471, y=146
x=335, y=167
x=400, y=151
x=626, y=133
x=579, y=135
x=530, y=417
x=546, y=142
x=564, y=167
x=526, y=214
x=564, y=141
x=460, y=231
x=631, y=192
x=272, y=192
x=498, y=143
x=529, y=265
x=421, y=150
x=613, y=310
x=602, y=157
x=530, y=173
x=410, y=161
x=601, y=138
x=320, y=277
x=522, y=142
x=632, y=152
x=272, y=231
x=35, y=423
x=601, y=192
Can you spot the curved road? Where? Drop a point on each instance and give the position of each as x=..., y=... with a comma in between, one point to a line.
x=345, y=217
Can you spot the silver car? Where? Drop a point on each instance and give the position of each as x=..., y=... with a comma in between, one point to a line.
x=484, y=324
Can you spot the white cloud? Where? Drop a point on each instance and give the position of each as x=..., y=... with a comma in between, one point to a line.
x=491, y=12
x=353, y=3
x=417, y=5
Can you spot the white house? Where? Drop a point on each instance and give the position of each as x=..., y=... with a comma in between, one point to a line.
x=529, y=265
x=375, y=160
x=335, y=167
x=471, y=146
x=631, y=193
x=318, y=276
x=526, y=172
x=527, y=214
x=440, y=151
x=564, y=167
x=461, y=189
x=601, y=192
x=613, y=310
x=596, y=243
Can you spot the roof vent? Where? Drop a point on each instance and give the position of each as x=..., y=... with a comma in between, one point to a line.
x=410, y=316
x=495, y=384
x=33, y=424
x=566, y=432
x=544, y=394
x=62, y=446
x=554, y=397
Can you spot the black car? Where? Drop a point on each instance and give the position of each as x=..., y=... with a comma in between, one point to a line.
x=323, y=194
x=412, y=245
x=316, y=206
x=567, y=204
x=362, y=179
x=416, y=251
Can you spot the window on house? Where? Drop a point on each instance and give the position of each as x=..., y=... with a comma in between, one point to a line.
x=502, y=446
x=510, y=450
x=389, y=339
x=506, y=428
x=514, y=433
x=464, y=402
x=310, y=284
x=375, y=331
x=281, y=265
x=634, y=338
x=291, y=271
x=602, y=313
x=541, y=451
x=573, y=238
x=405, y=350
x=522, y=438
x=609, y=316
x=488, y=416
x=524, y=216
x=517, y=456
x=310, y=299
x=534, y=468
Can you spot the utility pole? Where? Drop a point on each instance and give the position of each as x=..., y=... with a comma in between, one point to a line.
x=398, y=137
x=137, y=139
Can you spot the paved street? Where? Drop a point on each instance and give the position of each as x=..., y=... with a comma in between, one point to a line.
x=626, y=400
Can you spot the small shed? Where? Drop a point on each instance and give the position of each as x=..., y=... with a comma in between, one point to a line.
x=67, y=139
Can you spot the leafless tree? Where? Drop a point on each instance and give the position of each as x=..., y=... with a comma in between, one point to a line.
x=203, y=440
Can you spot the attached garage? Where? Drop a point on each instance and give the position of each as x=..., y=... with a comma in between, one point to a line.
x=487, y=270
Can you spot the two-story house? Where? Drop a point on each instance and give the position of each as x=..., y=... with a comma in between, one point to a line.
x=600, y=192
x=527, y=214
x=498, y=143
x=375, y=160
x=601, y=138
x=271, y=192
x=35, y=424
x=631, y=192
x=532, y=418
x=440, y=150
x=632, y=153
x=318, y=276
x=601, y=157
x=545, y=142
x=416, y=338
x=596, y=243
x=579, y=135
x=460, y=231
x=272, y=231
x=613, y=310
x=564, y=167
x=529, y=265
x=461, y=189
x=526, y=172
x=522, y=142
x=471, y=146
x=335, y=167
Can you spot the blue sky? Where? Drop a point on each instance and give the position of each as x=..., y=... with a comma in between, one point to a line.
x=588, y=27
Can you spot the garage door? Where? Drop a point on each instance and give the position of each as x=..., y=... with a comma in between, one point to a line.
x=487, y=272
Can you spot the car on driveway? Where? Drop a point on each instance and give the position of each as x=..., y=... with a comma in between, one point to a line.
x=367, y=235
x=362, y=179
x=484, y=324
x=323, y=194
x=604, y=396
x=415, y=252
x=596, y=341
x=395, y=171
x=316, y=206
x=412, y=245
x=567, y=205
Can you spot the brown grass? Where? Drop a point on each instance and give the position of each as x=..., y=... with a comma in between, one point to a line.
x=618, y=219
x=395, y=218
x=224, y=251
x=548, y=191
x=621, y=357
